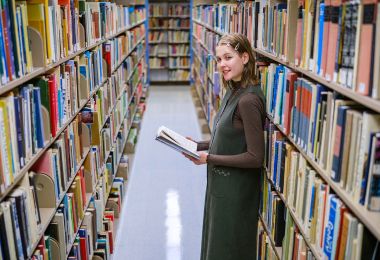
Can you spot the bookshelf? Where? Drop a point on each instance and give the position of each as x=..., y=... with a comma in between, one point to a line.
x=169, y=34
x=112, y=93
x=209, y=25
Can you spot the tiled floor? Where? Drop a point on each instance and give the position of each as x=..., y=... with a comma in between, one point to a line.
x=162, y=214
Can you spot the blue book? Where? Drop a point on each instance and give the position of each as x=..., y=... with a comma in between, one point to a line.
x=275, y=161
x=16, y=228
x=10, y=41
x=318, y=102
x=337, y=151
x=19, y=126
x=320, y=36
x=332, y=227
x=3, y=62
x=38, y=117
x=21, y=40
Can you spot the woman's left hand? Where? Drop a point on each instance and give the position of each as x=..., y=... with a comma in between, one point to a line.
x=200, y=161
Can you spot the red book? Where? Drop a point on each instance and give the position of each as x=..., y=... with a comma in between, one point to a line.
x=326, y=34
x=363, y=84
x=342, y=210
x=333, y=38
x=107, y=56
x=83, y=248
x=82, y=184
x=296, y=245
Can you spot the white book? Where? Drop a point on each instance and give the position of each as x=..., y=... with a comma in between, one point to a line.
x=177, y=141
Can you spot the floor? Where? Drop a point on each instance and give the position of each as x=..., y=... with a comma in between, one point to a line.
x=162, y=214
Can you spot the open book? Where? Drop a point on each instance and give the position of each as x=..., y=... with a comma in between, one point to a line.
x=177, y=141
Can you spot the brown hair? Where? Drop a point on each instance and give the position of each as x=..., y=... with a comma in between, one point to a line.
x=241, y=44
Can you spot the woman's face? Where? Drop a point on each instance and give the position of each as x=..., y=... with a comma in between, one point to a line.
x=230, y=63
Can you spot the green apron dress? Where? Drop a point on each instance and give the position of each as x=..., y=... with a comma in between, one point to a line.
x=233, y=194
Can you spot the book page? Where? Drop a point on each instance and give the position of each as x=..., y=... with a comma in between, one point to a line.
x=178, y=139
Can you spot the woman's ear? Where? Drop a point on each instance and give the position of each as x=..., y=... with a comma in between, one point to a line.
x=245, y=58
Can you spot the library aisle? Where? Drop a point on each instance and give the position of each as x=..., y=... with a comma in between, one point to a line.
x=162, y=215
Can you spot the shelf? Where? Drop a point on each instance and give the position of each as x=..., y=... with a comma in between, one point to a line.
x=312, y=247
x=179, y=68
x=169, y=28
x=159, y=42
x=39, y=71
x=169, y=56
x=171, y=16
x=47, y=214
x=35, y=158
x=183, y=42
x=369, y=218
x=368, y=102
x=204, y=46
x=208, y=27
x=108, y=192
x=277, y=250
x=158, y=56
x=158, y=68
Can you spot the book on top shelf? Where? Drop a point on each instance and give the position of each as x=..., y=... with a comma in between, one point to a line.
x=177, y=141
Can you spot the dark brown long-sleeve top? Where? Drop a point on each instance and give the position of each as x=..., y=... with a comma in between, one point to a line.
x=250, y=115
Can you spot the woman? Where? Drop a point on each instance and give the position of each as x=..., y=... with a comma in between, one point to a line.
x=235, y=157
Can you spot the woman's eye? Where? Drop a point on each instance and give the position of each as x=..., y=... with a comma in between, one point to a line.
x=228, y=57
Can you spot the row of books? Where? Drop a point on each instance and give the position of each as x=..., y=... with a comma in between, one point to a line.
x=338, y=134
x=335, y=40
x=168, y=9
x=179, y=9
x=345, y=31
x=158, y=63
x=20, y=53
x=179, y=49
x=240, y=18
x=164, y=16
x=46, y=105
x=265, y=249
x=173, y=37
x=179, y=62
x=169, y=23
x=60, y=166
x=208, y=38
x=178, y=36
x=320, y=213
x=223, y=17
x=179, y=75
x=158, y=50
x=158, y=36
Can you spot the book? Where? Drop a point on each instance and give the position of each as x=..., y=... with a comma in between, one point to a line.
x=177, y=141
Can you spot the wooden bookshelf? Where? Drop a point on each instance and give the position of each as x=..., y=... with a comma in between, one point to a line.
x=47, y=214
x=167, y=23
x=367, y=102
x=277, y=250
x=369, y=218
x=40, y=71
x=312, y=247
x=35, y=158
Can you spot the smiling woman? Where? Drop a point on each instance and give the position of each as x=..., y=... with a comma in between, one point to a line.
x=235, y=157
